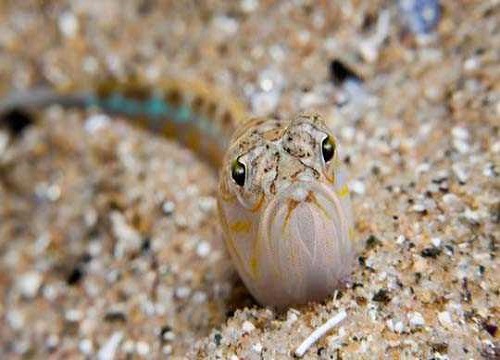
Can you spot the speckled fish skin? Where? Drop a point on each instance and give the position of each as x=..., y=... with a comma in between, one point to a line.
x=289, y=227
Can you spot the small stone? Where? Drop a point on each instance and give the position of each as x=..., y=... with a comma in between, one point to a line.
x=16, y=121
x=207, y=204
x=68, y=24
x=471, y=64
x=436, y=241
x=257, y=348
x=264, y=103
x=182, y=292
x=312, y=99
x=29, y=283
x=181, y=222
x=225, y=26
x=460, y=132
x=382, y=296
x=128, y=239
x=473, y=217
x=341, y=71
x=74, y=276
x=445, y=319
x=441, y=348
x=420, y=208
x=90, y=65
x=199, y=297
x=128, y=347
x=168, y=334
x=167, y=349
x=90, y=217
x=372, y=242
x=430, y=252
x=53, y=192
x=416, y=319
x=461, y=146
x=247, y=327
x=390, y=324
x=348, y=133
x=73, y=315
x=142, y=348
x=203, y=249
x=460, y=173
x=249, y=6
x=95, y=123
x=400, y=239
x=115, y=314
x=108, y=350
x=292, y=316
x=15, y=319
x=489, y=170
x=168, y=207
x=452, y=202
x=357, y=187
x=217, y=339
x=271, y=79
x=490, y=328
x=86, y=347
x=397, y=327
x=421, y=16
x=52, y=341
x=369, y=49
x=422, y=168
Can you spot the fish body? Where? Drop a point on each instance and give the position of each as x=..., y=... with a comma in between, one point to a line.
x=283, y=200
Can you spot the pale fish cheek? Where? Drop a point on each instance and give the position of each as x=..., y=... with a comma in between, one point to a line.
x=240, y=233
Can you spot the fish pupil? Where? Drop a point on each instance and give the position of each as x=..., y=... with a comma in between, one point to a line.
x=238, y=173
x=327, y=149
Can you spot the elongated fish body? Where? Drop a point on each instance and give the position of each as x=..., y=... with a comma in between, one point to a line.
x=283, y=199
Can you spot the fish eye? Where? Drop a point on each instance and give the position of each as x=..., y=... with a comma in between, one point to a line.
x=238, y=172
x=328, y=148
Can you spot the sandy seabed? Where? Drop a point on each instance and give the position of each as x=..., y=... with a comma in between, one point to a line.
x=109, y=239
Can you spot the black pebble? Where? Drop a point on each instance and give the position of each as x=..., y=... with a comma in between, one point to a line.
x=431, y=252
x=16, y=121
x=339, y=72
x=75, y=276
x=382, y=296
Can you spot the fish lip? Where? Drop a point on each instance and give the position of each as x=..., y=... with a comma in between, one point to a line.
x=292, y=192
x=314, y=190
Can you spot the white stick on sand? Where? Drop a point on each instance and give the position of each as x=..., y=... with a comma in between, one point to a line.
x=319, y=332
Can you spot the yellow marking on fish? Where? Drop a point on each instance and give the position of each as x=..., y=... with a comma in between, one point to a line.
x=343, y=191
x=351, y=233
x=311, y=198
x=259, y=204
x=254, y=266
x=291, y=205
x=229, y=240
x=241, y=226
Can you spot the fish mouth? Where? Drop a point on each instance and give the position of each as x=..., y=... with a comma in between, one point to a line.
x=306, y=230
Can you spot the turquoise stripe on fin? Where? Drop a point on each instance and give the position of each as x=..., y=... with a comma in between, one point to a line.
x=155, y=107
